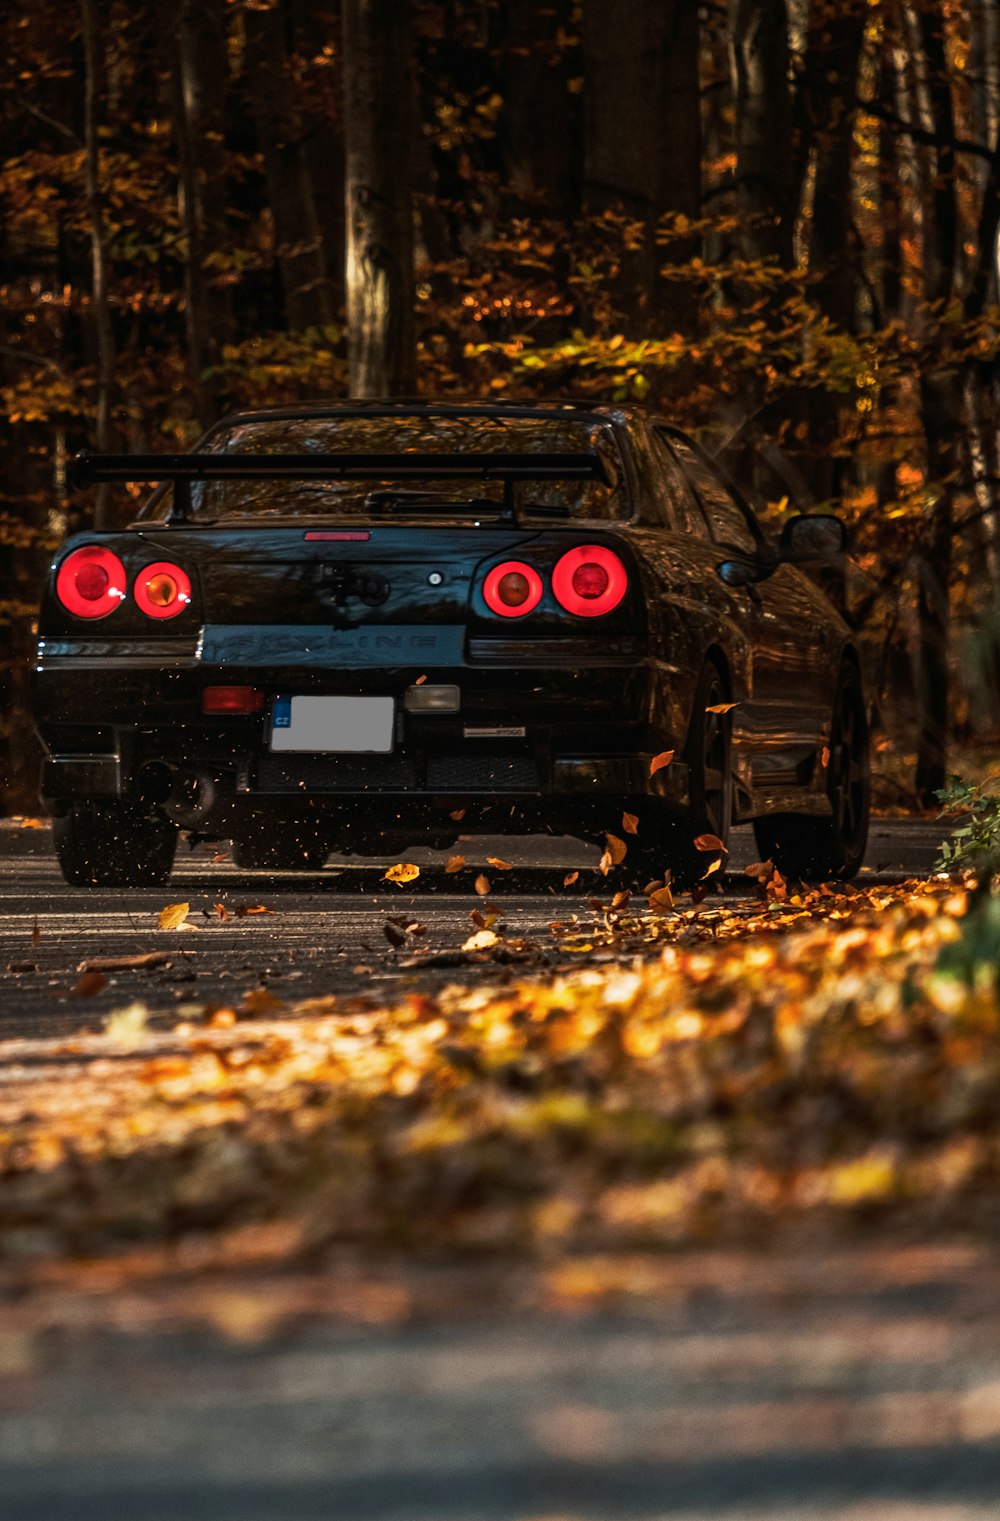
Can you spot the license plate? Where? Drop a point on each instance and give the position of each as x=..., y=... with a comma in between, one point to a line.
x=345, y=724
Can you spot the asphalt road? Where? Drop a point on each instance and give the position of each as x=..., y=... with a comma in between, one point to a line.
x=325, y=932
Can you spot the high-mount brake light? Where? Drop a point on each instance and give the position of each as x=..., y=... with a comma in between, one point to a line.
x=589, y=580
x=90, y=582
x=512, y=589
x=162, y=590
x=232, y=700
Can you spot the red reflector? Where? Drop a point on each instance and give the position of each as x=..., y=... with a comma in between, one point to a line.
x=231, y=700
x=337, y=538
x=90, y=582
x=589, y=580
x=512, y=589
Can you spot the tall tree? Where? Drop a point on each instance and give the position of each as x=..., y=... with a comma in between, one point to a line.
x=540, y=127
x=766, y=198
x=200, y=69
x=100, y=298
x=299, y=242
x=378, y=133
x=643, y=140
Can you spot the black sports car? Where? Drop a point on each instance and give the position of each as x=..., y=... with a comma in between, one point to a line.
x=363, y=625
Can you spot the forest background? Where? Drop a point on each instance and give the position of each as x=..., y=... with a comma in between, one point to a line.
x=774, y=219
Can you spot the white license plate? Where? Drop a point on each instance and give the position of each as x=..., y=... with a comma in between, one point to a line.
x=356, y=724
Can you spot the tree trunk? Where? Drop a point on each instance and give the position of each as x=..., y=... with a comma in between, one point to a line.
x=765, y=198
x=299, y=244
x=642, y=111
x=541, y=130
x=378, y=129
x=317, y=27
x=200, y=72
x=104, y=337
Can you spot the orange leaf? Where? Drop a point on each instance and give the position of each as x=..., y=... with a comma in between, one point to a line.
x=659, y=761
x=420, y=681
x=87, y=985
x=457, y=815
x=617, y=849
x=500, y=865
x=243, y=909
x=173, y=916
x=570, y=878
x=402, y=873
x=630, y=823
x=620, y=900
x=453, y=864
x=482, y=885
x=661, y=900
x=761, y=870
x=824, y=757
x=710, y=842
x=722, y=707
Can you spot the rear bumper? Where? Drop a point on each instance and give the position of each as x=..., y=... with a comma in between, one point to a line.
x=587, y=713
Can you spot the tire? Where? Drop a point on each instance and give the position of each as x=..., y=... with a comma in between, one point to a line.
x=112, y=845
x=292, y=847
x=708, y=756
x=811, y=849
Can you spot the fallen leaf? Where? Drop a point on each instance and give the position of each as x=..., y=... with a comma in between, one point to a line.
x=222, y=912
x=620, y=900
x=32, y=823
x=570, y=878
x=457, y=815
x=482, y=885
x=761, y=870
x=420, y=681
x=87, y=984
x=482, y=940
x=630, y=823
x=125, y=963
x=402, y=873
x=722, y=707
x=617, y=849
x=393, y=933
x=500, y=865
x=710, y=842
x=261, y=1001
x=453, y=864
x=241, y=910
x=824, y=756
x=126, y=1028
x=605, y=863
x=661, y=900
x=173, y=916
x=659, y=761
x=712, y=866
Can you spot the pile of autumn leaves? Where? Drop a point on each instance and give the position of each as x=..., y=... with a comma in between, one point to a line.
x=796, y=1061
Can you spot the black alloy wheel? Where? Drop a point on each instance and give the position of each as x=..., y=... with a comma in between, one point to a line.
x=110, y=844
x=833, y=846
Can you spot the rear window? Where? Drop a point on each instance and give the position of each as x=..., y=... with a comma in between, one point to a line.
x=425, y=499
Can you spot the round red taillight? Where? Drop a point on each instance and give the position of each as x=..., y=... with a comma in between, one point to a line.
x=589, y=580
x=90, y=582
x=162, y=590
x=512, y=589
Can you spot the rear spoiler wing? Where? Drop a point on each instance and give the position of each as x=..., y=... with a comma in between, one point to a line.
x=87, y=469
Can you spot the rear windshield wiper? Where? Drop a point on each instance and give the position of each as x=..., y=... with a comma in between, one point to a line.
x=422, y=501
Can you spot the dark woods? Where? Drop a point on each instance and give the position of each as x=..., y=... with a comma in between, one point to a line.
x=776, y=219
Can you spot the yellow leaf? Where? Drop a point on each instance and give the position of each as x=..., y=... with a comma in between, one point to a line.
x=605, y=863
x=661, y=900
x=482, y=940
x=659, y=761
x=617, y=849
x=173, y=916
x=402, y=873
x=630, y=823
x=712, y=866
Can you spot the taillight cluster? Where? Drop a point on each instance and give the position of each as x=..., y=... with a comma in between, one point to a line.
x=587, y=581
x=91, y=582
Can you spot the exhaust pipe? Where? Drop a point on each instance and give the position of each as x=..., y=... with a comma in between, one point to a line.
x=191, y=798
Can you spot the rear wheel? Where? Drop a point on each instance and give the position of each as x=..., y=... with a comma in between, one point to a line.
x=109, y=844
x=708, y=756
x=815, y=849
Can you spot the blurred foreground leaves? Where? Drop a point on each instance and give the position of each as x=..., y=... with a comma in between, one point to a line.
x=818, y=1062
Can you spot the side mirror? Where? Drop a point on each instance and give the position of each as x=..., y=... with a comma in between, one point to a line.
x=818, y=536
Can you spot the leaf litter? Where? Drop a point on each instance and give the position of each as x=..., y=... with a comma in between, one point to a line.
x=698, y=1074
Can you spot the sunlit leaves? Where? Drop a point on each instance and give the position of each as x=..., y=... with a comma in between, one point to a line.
x=402, y=873
x=173, y=915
